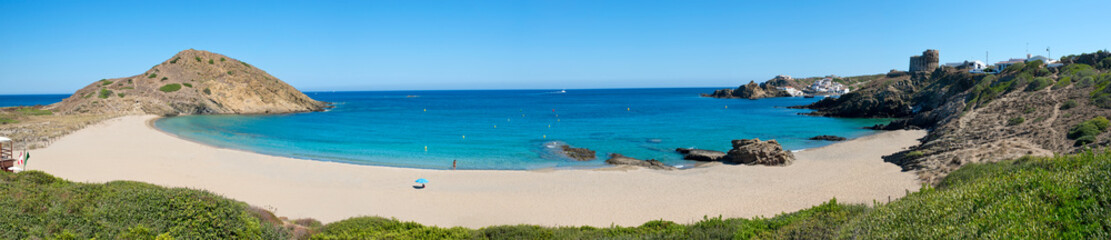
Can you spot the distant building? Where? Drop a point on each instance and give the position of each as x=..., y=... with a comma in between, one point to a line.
x=999, y=66
x=791, y=90
x=827, y=86
x=925, y=62
x=974, y=66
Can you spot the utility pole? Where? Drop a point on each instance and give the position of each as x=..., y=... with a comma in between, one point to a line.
x=1047, y=52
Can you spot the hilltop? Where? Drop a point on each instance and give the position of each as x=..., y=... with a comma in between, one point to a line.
x=191, y=82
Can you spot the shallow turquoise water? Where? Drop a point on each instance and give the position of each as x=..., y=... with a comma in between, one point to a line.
x=512, y=129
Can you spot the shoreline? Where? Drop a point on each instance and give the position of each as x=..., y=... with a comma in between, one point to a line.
x=129, y=148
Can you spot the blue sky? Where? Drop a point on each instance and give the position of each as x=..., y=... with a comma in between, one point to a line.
x=61, y=46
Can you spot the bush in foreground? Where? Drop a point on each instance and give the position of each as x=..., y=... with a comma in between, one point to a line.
x=36, y=205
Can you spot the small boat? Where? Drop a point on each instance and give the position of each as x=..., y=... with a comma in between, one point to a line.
x=563, y=91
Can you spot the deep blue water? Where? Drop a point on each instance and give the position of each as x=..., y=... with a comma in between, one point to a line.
x=30, y=100
x=512, y=129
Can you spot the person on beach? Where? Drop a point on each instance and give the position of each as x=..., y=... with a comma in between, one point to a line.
x=453, y=164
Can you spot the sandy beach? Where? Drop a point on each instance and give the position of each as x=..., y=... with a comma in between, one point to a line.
x=127, y=148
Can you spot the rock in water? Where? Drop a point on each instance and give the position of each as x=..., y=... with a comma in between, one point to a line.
x=579, y=154
x=828, y=138
x=191, y=82
x=754, y=151
x=618, y=159
x=700, y=154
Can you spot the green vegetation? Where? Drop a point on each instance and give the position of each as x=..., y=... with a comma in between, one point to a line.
x=105, y=93
x=197, y=58
x=170, y=87
x=1039, y=83
x=211, y=62
x=229, y=72
x=245, y=64
x=222, y=59
x=914, y=154
x=87, y=95
x=187, y=85
x=152, y=75
x=1029, y=110
x=1063, y=83
x=207, y=92
x=165, y=78
x=126, y=88
x=1087, y=131
x=1068, y=104
x=175, y=60
x=120, y=94
x=1015, y=121
x=30, y=111
x=5, y=120
x=105, y=82
x=36, y=205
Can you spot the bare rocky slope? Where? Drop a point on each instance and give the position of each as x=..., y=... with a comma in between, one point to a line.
x=191, y=82
x=1025, y=110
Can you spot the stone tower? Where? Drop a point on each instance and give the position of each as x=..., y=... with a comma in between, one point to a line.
x=926, y=62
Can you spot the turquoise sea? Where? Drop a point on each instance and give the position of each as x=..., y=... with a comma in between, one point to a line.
x=513, y=129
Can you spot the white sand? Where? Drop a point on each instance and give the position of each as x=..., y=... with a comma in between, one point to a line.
x=127, y=148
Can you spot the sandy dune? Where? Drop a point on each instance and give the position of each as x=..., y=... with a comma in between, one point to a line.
x=127, y=148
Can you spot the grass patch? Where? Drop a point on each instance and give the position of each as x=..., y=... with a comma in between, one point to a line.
x=1015, y=121
x=175, y=60
x=173, y=87
x=5, y=120
x=187, y=84
x=152, y=75
x=105, y=82
x=915, y=154
x=120, y=94
x=30, y=111
x=245, y=64
x=1029, y=110
x=105, y=93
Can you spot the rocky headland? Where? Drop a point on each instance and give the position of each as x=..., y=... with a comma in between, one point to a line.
x=191, y=82
x=752, y=90
x=1026, y=109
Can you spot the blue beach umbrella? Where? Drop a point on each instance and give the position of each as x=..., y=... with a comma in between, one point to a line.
x=422, y=181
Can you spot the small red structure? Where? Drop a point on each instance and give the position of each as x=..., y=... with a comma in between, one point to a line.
x=7, y=158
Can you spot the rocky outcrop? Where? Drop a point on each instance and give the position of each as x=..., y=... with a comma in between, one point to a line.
x=886, y=98
x=756, y=152
x=750, y=91
x=618, y=159
x=191, y=82
x=828, y=138
x=701, y=154
x=578, y=154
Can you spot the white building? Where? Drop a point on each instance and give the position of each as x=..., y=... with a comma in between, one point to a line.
x=791, y=90
x=827, y=85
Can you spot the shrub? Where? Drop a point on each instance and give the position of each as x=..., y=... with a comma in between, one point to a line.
x=1015, y=121
x=1087, y=131
x=222, y=59
x=105, y=93
x=229, y=72
x=1030, y=110
x=165, y=78
x=211, y=62
x=1039, y=83
x=104, y=82
x=207, y=92
x=120, y=94
x=152, y=75
x=187, y=85
x=37, y=205
x=1068, y=104
x=197, y=58
x=245, y=64
x=170, y=87
x=1062, y=83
